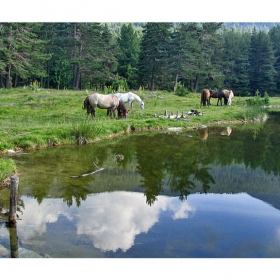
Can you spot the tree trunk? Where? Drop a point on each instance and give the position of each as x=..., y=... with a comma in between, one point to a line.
x=1, y=80
x=191, y=85
x=48, y=77
x=16, y=81
x=8, y=76
x=196, y=84
x=176, y=83
x=77, y=78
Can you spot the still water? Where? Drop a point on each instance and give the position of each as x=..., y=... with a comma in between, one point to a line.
x=206, y=193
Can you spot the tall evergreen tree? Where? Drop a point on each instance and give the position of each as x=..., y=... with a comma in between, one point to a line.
x=236, y=61
x=59, y=45
x=21, y=53
x=154, y=53
x=274, y=34
x=262, y=60
x=129, y=47
x=185, y=53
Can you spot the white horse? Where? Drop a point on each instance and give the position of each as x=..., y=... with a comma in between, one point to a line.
x=229, y=95
x=130, y=97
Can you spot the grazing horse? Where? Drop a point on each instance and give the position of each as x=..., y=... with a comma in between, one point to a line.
x=129, y=97
x=229, y=96
x=217, y=94
x=102, y=101
x=122, y=111
x=205, y=97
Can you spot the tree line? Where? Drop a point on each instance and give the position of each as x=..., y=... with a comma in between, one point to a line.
x=180, y=57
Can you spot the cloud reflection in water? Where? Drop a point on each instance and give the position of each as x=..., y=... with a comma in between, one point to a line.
x=113, y=220
x=110, y=220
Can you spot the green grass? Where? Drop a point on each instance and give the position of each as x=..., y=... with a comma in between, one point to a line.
x=7, y=168
x=34, y=119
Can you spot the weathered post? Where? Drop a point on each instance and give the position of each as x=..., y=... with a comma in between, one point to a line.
x=13, y=240
x=13, y=199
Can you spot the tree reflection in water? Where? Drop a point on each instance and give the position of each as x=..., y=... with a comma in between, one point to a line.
x=156, y=163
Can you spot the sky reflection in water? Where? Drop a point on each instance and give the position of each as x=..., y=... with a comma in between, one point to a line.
x=206, y=225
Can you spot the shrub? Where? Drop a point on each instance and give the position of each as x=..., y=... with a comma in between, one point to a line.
x=181, y=90
x=120, y=84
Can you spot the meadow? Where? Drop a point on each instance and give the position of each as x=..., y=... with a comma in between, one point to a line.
x=38, y=118
x=31, y=119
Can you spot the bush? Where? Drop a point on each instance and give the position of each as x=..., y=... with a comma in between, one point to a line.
x=181, y=90
x=257, y=100
x=120, y=84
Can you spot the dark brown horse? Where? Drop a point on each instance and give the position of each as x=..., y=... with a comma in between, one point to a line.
x=218, y=94
x=205, y=97
x=122, y=111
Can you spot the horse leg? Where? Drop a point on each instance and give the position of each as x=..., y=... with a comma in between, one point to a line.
x=93, y=109
x=112, y=111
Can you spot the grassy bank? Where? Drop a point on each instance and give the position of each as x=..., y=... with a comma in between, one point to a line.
x=7, y=168
x=31, y=119
x=34, y=119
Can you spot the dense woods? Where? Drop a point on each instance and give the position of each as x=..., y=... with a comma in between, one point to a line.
x=180, y=57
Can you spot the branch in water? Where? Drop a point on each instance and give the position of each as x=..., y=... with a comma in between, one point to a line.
x=84, y=175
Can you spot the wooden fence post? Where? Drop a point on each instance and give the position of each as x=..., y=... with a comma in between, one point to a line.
x=13, y=199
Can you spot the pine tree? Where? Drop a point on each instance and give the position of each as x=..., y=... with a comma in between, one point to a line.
x=153, y=60
x=20, y=52
x=129, y=46
x=262, y=60
x=236, y=61
x=274, y=34
x=186, y=53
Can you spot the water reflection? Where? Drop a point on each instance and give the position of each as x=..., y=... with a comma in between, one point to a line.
x=161, y=163
x=110, y=220
x=204, y=132
x=150, y=177
x=121, y=224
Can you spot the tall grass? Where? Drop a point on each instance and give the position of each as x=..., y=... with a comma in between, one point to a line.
x=7, y=168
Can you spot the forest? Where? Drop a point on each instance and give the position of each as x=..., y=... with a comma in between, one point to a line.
x=175, y=57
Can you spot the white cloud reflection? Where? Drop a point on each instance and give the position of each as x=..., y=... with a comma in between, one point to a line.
x=35, y=217
x=111, y=220
x=116, y=218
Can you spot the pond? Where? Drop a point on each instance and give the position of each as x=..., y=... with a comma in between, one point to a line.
x=208, y=193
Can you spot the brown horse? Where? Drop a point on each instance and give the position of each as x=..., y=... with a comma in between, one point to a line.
x=122, y=111
x=205, y=97
x=217, y=94
x=102, y=101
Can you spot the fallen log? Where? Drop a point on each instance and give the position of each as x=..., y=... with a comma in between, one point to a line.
x=86, y=174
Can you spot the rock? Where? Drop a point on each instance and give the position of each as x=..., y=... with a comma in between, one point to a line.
x=4, y=253
x=24, y=253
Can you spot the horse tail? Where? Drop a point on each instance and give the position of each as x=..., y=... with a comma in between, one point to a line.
x=86, y=103
x=203, y=97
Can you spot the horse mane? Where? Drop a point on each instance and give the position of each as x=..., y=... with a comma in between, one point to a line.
x=137, y=97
